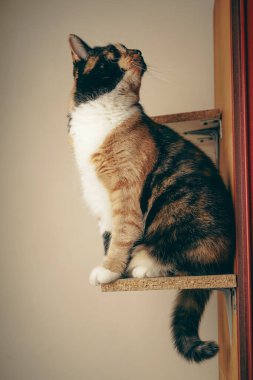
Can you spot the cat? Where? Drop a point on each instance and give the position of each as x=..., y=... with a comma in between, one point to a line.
x=162, y=207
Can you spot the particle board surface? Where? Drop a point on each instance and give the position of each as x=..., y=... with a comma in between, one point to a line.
x=165, y=283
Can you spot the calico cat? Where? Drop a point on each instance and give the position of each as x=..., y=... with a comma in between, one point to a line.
x=161, y=205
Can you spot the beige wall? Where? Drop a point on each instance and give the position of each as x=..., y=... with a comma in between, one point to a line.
x=53, y=325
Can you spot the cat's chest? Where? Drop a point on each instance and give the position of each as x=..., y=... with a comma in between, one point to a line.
x=89, y=126
x=91, y=123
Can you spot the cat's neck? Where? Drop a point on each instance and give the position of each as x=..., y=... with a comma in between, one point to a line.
x=92, y=121
x=111, y=108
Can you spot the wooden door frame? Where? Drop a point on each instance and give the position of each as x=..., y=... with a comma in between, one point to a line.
x=242, y=78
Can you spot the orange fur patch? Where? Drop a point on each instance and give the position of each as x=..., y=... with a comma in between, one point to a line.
x=109, y=55
x=209, y=251
x=90, y=64
x=122, y=164
x=120, y=48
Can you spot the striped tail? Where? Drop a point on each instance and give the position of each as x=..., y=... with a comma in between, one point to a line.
x=190, y=305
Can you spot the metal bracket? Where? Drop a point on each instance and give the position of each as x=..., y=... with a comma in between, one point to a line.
x=213, y=131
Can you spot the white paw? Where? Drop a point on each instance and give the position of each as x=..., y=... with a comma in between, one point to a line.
x=140, y=272
x=101, y=275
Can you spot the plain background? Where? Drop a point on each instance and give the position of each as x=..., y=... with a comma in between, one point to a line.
x=53, y=325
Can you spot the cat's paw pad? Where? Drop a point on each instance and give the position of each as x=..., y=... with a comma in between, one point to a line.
x=140, y=272
x=101, y=275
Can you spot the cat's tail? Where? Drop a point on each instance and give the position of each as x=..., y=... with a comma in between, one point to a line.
x=189, y=307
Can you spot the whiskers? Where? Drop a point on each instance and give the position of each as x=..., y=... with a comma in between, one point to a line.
x=135, y=64
x=157, y=74
x=151, y=70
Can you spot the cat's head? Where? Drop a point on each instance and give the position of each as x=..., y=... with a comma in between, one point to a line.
x=101, y=70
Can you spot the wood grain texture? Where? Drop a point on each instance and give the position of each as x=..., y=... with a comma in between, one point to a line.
x=188, y=116
x=228, y=363
x=165, y=283
x=228, y=366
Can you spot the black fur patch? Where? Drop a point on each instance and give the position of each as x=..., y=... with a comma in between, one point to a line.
x=69, y=121
x=191, y=187
x=185, y=325
x=106, y=240
x=103, y=78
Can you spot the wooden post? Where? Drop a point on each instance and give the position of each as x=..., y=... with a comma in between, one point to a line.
x=227, y=317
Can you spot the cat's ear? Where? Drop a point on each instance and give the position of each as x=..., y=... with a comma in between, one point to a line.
x=79, y=49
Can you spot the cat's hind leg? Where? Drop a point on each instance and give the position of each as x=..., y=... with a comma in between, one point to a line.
x=142, y=264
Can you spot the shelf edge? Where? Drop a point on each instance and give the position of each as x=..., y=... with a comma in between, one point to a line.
x=226, y=281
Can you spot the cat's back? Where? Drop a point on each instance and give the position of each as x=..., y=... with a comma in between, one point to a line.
x=177, y=154
x=181, y=167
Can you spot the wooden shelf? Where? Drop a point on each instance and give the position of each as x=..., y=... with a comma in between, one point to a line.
x=188, y=116
x=165, y=283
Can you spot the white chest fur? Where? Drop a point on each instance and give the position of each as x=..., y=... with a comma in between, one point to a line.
x=90, y=123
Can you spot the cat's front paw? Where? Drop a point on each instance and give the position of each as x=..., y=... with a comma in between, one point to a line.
x=101, y=275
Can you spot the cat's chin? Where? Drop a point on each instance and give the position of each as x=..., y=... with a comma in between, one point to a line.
x=101, y=275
